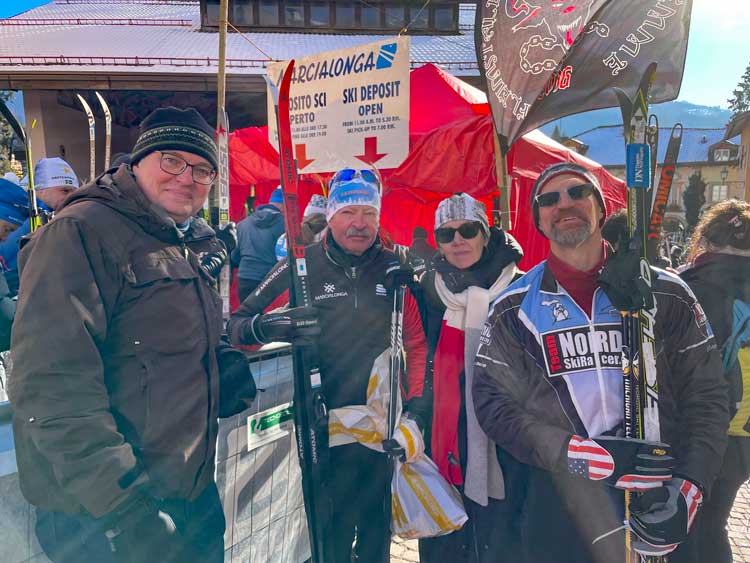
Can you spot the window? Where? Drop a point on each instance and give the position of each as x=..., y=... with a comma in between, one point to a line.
x=394, y=17
x=243, y=13
x=294, y=13
x=212, y=12
x=327, y=16
x=345, y=15
x=721, y=155
x=269, y=13
x=370, y=17
x=718, y=193
x=320, y=14
x=445, y=18
x=420, y=19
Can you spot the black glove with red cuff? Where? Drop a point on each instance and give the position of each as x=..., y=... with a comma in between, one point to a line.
x=298, y=325
x=661, y=518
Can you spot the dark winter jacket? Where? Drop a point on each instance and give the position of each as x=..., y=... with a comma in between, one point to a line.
x=257, y=234
x=423, y=249
x=115, y=383
x=354, y=311
x=717, y=281
x=546, y=370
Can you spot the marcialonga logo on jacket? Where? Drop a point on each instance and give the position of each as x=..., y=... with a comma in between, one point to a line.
x=330, y=291
x=579, y=349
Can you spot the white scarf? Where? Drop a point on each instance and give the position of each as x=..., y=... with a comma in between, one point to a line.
x=467, y=311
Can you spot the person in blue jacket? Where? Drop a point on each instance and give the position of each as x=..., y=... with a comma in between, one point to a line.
x=54, y=180
x=257, y=234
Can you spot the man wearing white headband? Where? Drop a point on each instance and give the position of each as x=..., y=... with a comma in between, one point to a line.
x=350, y=275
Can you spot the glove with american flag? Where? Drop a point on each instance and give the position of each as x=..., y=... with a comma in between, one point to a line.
x=624, y=463
x=661, y=518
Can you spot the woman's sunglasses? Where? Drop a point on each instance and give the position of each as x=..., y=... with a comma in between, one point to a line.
x=445, y=235
x=574, y=192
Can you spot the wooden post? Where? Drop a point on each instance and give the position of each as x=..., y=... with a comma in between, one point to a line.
x=502, y=207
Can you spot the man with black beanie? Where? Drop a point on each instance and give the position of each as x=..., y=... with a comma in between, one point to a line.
x=548, y=389
x=121, y=370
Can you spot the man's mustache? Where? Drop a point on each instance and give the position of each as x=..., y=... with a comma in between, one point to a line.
x=354, y=232
x=565, y=214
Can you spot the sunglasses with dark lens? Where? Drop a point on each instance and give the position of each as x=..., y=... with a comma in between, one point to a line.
x=349, y=174
x=575, y=193
x=445, y=235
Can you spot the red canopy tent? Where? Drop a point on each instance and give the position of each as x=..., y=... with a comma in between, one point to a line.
x=451, y=150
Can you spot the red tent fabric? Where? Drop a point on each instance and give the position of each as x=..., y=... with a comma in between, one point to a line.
x=451, y=150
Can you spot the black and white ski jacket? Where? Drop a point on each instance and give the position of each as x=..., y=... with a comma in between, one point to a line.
x=546, y=370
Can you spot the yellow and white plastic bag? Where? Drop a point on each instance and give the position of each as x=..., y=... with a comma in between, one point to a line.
x=424, y=503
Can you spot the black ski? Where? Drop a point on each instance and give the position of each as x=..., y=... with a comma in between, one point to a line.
x=310, y=411
x=641, y=398
x=661, y=199
x=34, y=218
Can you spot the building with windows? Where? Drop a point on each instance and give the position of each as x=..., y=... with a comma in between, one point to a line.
x=720, y=162
x=143, y=54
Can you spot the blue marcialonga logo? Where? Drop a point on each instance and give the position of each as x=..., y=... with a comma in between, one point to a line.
x=386, y=55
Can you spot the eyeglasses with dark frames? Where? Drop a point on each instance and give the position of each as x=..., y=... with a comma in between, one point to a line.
x=176, y=165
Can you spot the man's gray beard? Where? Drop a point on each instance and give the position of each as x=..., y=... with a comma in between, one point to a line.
x=571, y=238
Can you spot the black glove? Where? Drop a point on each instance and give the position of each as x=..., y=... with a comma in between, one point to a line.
x=236, y=384
x=624, y=463
x=139, y=533
x=661, y=518
x=298, y=325
x=397, y=276
x=213, y=262
x=228, y=236
x=394, y=449
x=622, y=281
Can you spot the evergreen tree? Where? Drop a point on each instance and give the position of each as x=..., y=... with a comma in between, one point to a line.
x=694, y=199
x=741, y=100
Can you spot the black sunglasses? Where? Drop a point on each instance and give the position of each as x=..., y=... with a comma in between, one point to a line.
x=445, y=235
x=574, y=192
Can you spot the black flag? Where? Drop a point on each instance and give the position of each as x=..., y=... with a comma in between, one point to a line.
x=545, y=59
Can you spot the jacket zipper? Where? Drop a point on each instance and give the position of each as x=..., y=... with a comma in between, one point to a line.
x=353, y=278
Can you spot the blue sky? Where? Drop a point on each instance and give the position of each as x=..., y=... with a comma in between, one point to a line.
x=718, y=51
x=10, y=8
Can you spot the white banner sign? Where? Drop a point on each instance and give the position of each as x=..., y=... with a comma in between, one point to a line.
x=348, y=108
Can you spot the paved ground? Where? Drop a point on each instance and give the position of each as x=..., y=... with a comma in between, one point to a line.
x=403, y=551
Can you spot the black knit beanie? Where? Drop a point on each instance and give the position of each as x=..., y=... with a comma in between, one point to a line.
x=566, y=168
x=176, y=129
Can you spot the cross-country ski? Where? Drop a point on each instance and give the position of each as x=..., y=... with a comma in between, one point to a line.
x=374, y=283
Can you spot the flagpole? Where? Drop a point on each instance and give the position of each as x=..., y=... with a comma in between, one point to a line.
x=503, y=186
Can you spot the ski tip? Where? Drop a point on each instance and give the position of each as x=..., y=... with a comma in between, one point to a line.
x=677, y=131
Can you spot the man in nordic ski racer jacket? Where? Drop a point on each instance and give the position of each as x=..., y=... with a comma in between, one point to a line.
x=549, y=389
x=351, y=280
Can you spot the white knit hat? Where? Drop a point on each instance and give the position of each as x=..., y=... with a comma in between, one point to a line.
x=53, y=172
x=462, y=207
x=317, y=204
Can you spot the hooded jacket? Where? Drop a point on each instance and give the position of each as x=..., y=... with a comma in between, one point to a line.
x=717, y=281
x=257, y=234
x=116, y=380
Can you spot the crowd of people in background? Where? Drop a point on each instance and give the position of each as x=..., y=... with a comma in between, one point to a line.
x=513, y=378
